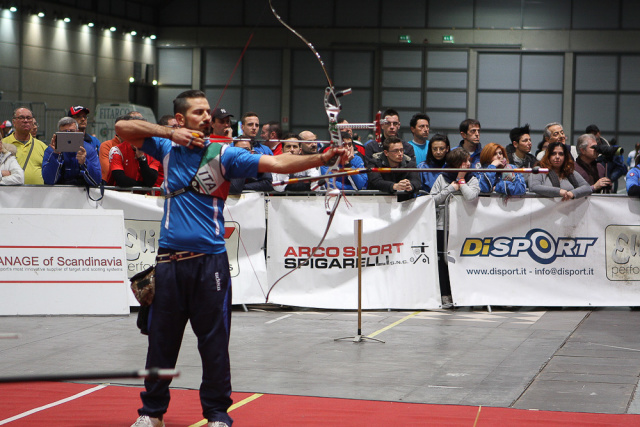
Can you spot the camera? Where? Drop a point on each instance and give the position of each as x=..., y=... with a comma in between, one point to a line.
x=608, y=152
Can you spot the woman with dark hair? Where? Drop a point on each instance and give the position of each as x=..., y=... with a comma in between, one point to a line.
x=562, y=180
x=494, y=156
x=438, y=148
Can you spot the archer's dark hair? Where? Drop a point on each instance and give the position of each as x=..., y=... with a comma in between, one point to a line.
x=181, y=103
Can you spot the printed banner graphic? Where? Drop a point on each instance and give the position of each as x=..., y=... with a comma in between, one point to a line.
x=543, y=252
x=63, y=261
x=399, y=263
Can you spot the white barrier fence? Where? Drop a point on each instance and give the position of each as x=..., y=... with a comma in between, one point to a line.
x=525, y=251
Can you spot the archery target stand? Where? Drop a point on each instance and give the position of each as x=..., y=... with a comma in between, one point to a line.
x=359, y=337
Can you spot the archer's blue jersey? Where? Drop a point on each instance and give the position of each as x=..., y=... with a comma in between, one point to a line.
x=194, y=222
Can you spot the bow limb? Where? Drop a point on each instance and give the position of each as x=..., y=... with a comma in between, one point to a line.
x=332, y=107
x=305, y=41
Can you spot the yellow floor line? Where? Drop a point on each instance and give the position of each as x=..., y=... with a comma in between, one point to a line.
x=257, y=395
x=231, y=408
x=392, y=325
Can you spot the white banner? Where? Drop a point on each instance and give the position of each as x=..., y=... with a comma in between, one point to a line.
x=544, y=252
x=399, y=253
x=245, y=229
x=62, y=261
x=143, y=215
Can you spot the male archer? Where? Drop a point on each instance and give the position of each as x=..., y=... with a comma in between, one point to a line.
x=192, y=273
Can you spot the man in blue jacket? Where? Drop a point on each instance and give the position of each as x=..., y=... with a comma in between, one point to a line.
x=79, y=168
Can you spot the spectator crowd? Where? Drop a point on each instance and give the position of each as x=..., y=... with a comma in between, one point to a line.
x=592, y=165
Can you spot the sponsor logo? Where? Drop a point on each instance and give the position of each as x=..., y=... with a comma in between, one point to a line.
x=623, y=252
x=343, y=257
x=539, y=244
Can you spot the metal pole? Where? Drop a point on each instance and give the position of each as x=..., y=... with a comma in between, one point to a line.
x=359, y=228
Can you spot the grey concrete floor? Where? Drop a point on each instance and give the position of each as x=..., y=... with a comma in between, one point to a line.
x=583, y=360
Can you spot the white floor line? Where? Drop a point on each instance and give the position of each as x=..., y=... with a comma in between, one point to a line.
x=614, y=346
x=51, y=405
x=279, y=318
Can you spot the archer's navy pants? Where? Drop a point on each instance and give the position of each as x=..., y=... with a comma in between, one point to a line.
x=198, y=290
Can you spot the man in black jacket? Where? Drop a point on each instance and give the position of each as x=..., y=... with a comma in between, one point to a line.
x=393, y=156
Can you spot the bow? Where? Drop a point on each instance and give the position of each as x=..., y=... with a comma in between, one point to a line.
x=332, y=107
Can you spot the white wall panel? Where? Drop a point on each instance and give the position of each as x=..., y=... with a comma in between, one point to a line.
x=596, y=109
x=539, y=109
x=498, y=110
x=596, y=72
x=175, y=66
x=498, y=71
x=542, y=72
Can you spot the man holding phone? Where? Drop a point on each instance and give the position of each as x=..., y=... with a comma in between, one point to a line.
x=71, y=168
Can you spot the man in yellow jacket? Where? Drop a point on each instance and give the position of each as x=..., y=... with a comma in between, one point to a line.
x=30, y=151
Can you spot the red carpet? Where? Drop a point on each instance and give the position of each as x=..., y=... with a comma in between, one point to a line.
x=116, y=406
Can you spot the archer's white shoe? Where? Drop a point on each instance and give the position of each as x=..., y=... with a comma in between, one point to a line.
x=147, y=421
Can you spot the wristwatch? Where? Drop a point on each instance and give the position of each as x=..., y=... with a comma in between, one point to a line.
x=142, y=158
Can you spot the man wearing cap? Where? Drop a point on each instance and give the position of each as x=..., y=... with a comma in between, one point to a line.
x=6, y=128
x=79, y=168
x=221, y=125
x=80, y=113
x=29, y=150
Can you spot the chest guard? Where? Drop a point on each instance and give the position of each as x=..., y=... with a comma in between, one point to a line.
x=209, y=179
